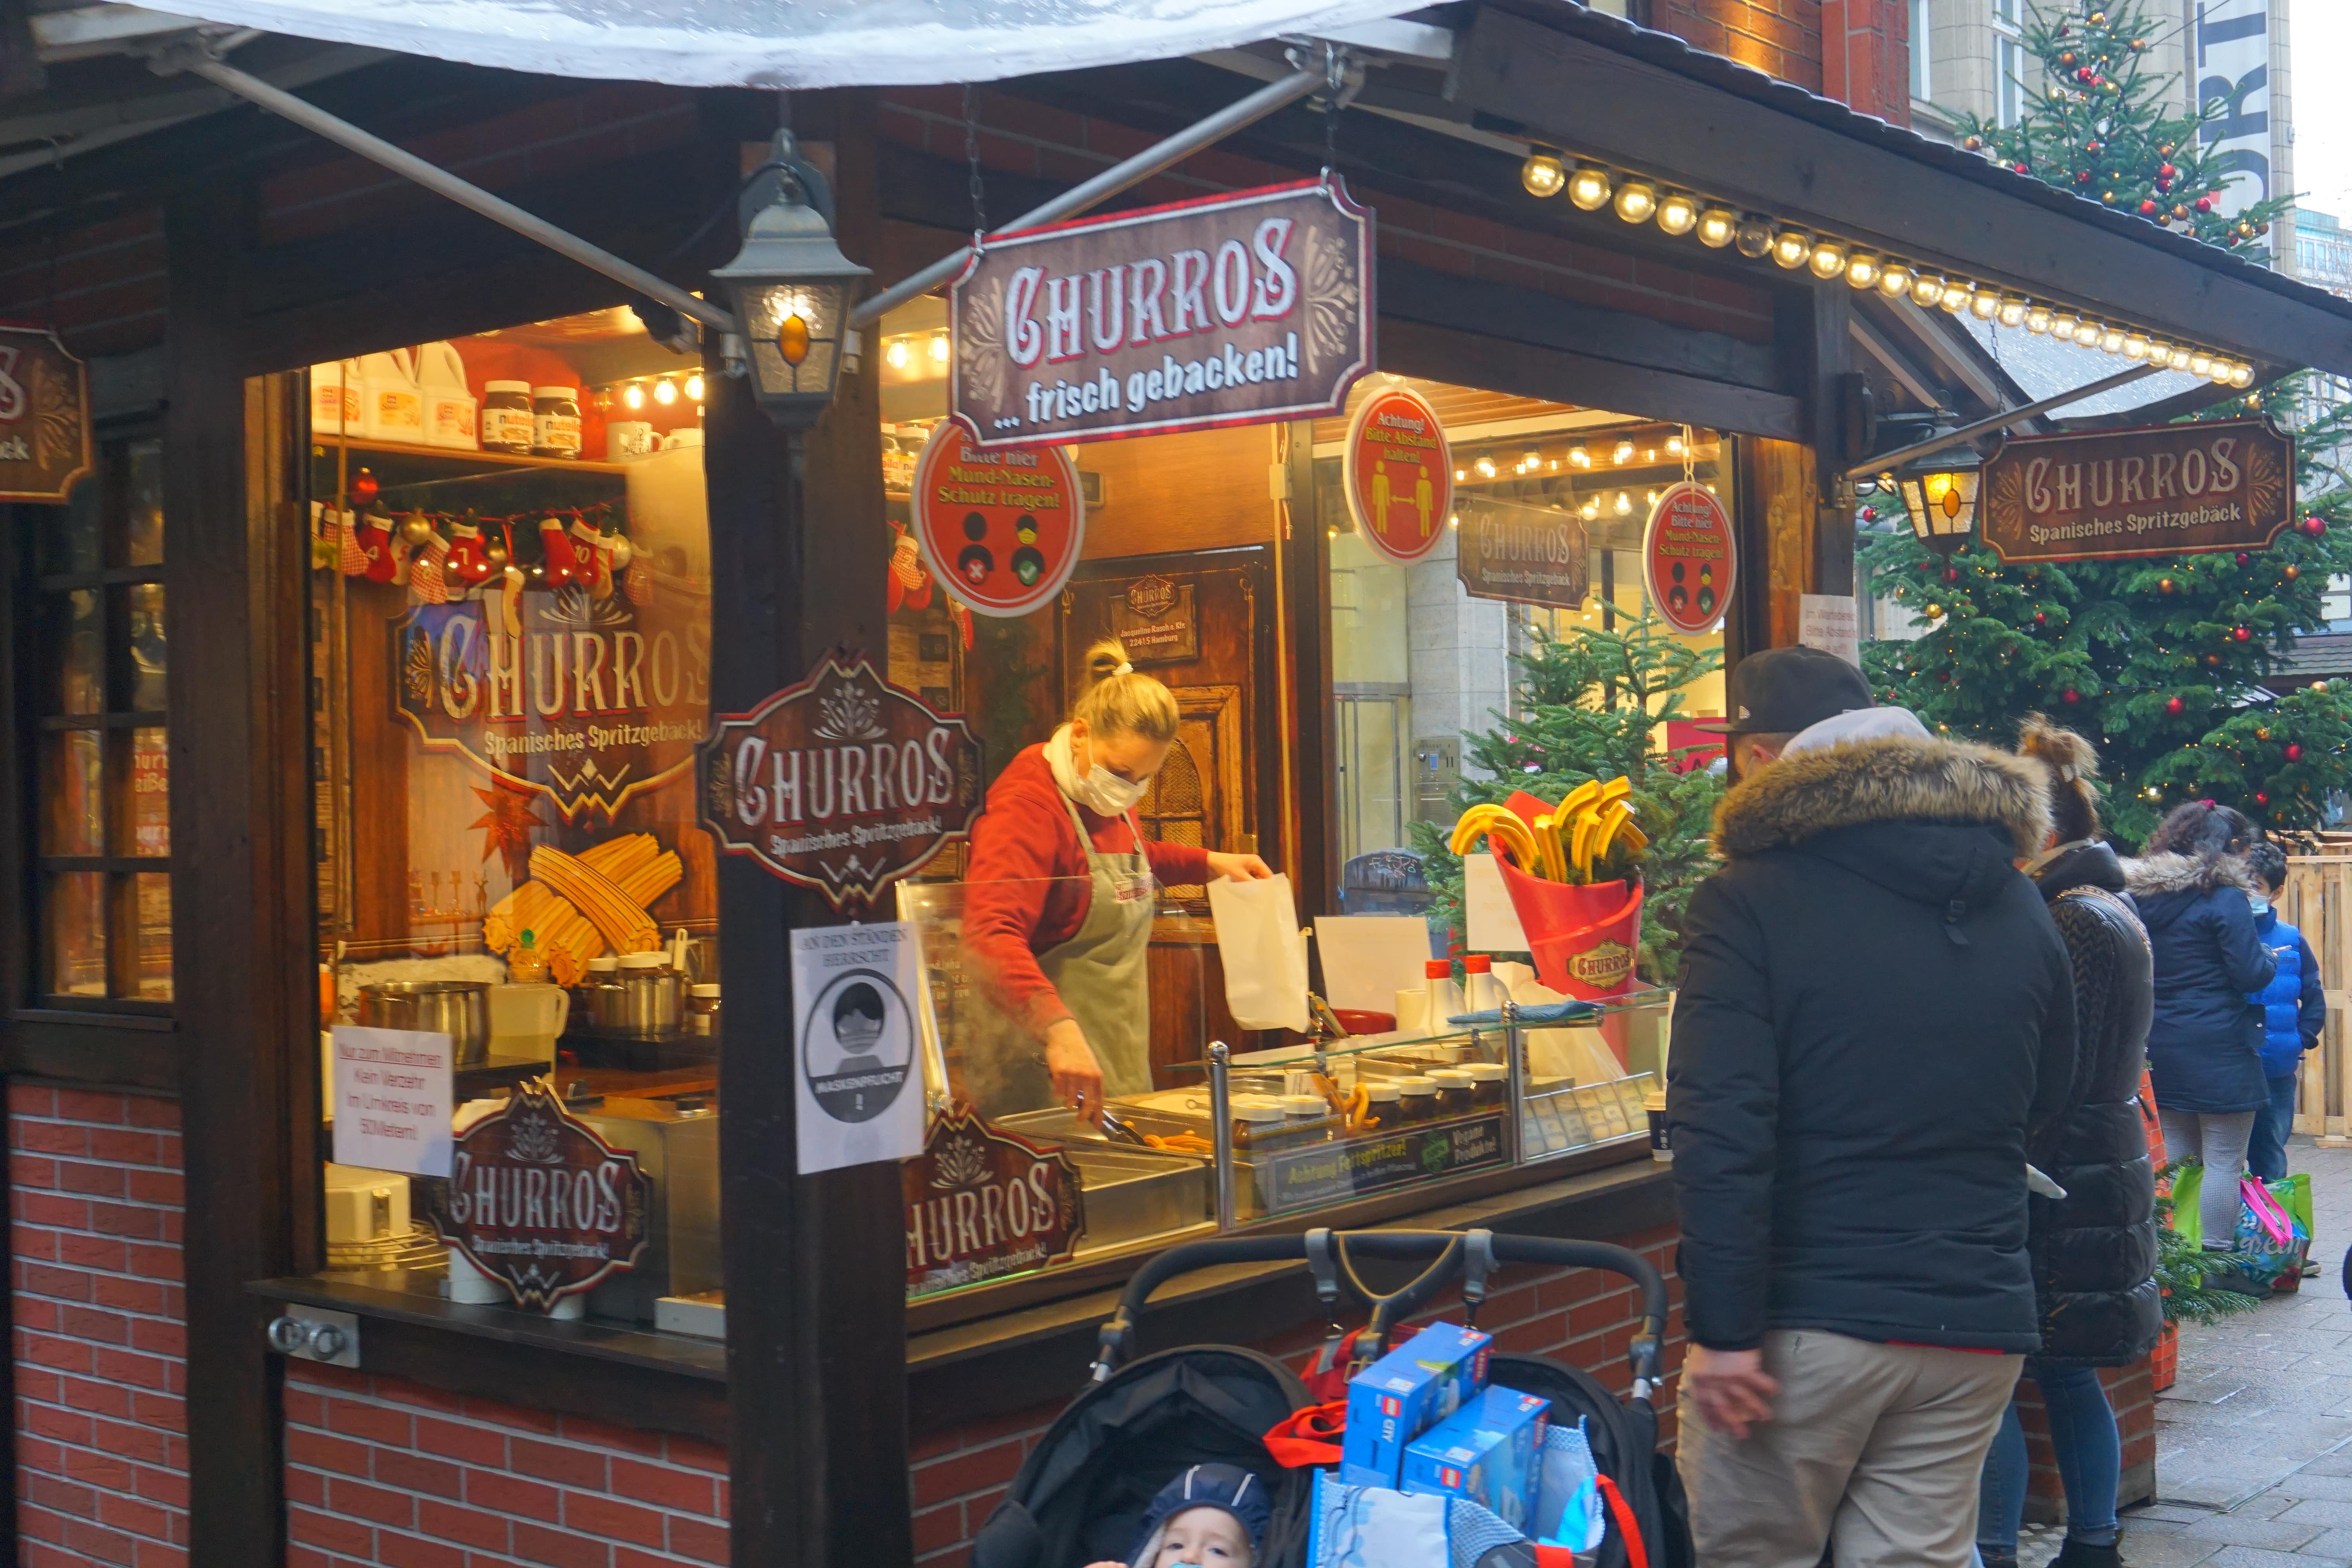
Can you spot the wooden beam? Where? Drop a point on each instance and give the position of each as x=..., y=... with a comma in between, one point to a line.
x=1815, y=334
x=815, y=1266
x=1312, y=818
x=1503, y=364
x=243, y=961
x=1522, y=76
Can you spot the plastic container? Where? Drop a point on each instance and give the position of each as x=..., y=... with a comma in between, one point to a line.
x=1480, y=991
x=1454, y=1091
x=1443, y=997
x=555, y=421
x=391, y=405
x=506, y=418
x=1416, y=1100
x=335, y=398
x=450, y=407
x=702, y=1009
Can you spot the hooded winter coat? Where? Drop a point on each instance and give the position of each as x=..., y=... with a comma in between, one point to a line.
x=1876, y=1006
x=2205, y=1046
x=2094, y=1249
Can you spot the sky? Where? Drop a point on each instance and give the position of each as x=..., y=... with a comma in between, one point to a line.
x=2320, y=36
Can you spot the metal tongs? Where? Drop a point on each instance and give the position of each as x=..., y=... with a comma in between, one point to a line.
x=1117, y=1130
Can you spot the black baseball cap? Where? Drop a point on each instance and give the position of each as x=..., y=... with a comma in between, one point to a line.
x=1784, y=689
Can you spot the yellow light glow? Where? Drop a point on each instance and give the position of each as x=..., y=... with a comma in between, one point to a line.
x=1589, y=187
x=2111, y=340
x=939, y=348
x=633, y=395
x=1791, y=248
x=1828, y=259
x=897, y=354
x=1927, y=290
x=2037, y=320
x=1677, y=212
x=1578, y=457
x=2242, y=375
x=1984, y=304
x=1957, y=296
x=1862, y=272
x=2135, y=346
x=2012, y=310
x=1895, y=279
x=1543, y=175
x=1624, y=452
x=1717, y=227
x=664, y=392
x=1625, y=503
x=694, y=387
x=1637, y=201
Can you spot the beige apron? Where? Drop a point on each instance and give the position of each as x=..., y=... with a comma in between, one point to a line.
x=1101, y=974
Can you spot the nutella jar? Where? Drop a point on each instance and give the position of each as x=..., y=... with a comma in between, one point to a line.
x=1490, y=1085
x=1416, y=1100
x=506, y=418
x=1257, y=1122
x=555, y=421
x=1452, y=1091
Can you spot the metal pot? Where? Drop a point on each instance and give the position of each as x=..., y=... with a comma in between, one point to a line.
x=647, y=1002
x=458, y=1008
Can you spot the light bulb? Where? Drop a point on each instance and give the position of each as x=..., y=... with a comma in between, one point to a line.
x=1674, y=446
x=1791, y=247
x=2135, y=346
x=2037, y=318
x=897, y=354
x=1625, y=503
x=1454, y=520
x=694, y=388
x=1460, y=475
x=1543, y=175
x=2111, y=340
x=1531, y=459
x=1754, y=238
x=1717, y=227
x=2199, y=361
x=1677, y=212
x=1650, y=498
x=1927, y=290
x=1895, y=279
x=1589, y=511
x=2012, y=310
x=634, y=395
x=2242, y=374
x=939, y=348
x=1589, y=186
x=1578, y=457
x=1486, y=467
x=2182, y=356
x=1637, y=200
x=2063, y=327
x=1984, y=303
x=1828, y=259
x=1862, y=270
x=1624, y=452
x=1957, y=296
x=2220, y=373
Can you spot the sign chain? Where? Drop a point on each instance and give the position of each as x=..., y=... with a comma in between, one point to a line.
x=972, y=156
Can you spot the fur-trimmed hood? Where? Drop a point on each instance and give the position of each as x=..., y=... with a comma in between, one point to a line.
x=2154, y=874
x=1894, y=780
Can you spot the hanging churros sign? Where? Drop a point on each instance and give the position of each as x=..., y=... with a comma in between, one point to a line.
x=2168, y=489
x=1235, y=310
x=43, y=418
x=1399, y=474
x=844, y=784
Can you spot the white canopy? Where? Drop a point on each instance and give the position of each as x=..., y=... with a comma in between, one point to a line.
x=794, y=43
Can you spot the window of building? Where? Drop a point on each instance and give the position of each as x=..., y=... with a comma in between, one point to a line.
x=1922, y=83
x=2009, y=64
x=98, y=653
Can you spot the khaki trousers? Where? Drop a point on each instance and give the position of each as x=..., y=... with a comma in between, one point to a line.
x=1875, y=1449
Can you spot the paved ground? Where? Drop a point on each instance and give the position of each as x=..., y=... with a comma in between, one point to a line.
x=2254, y=1462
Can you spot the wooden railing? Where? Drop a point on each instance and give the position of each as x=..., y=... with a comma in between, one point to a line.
x=2318, y=901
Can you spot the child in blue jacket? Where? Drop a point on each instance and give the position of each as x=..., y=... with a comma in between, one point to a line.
x=2294, y=1010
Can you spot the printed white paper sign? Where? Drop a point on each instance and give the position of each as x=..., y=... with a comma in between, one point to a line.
x=860, y=1092
x=393, y=1099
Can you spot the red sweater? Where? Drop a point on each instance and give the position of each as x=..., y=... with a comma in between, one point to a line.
x=1012, y=913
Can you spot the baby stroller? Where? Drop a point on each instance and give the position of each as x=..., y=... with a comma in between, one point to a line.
x=1080, y=1495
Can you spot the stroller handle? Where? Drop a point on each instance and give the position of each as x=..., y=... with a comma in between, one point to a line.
x=1116, y=1339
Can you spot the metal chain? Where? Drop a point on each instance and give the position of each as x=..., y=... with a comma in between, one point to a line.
x=56, y=225
x=972, y=156
x=1335, y=77
x=1690, y=458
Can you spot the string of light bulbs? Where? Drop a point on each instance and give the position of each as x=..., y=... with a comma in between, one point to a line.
x=1792, y=247
x=664, y=390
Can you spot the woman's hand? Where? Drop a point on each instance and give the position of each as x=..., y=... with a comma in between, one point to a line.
x=1239, y=867
x=1078, y=1076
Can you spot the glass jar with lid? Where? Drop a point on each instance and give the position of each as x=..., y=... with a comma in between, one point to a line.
x=506, y=418
x=1383, y=1113
x=1490, y=1085
x=1257, y=1122
x=1416, y=1100
x=702, y=1009
x=555, y=421
x=1452, y=1091
x=1308, y=1118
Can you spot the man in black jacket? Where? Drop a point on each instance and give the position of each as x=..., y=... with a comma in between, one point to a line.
x=1874, y=1010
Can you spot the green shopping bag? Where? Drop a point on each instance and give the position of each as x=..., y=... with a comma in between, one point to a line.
x=2266, y=1249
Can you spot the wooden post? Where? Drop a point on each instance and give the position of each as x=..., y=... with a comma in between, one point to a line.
x=814, y=1265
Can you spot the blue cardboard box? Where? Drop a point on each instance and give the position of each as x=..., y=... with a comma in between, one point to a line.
x=1405, y=1393
x=1486, y=1452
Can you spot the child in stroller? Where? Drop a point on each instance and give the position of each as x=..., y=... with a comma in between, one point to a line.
x=1211, y=1516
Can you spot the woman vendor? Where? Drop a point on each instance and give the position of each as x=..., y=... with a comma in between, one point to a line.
x=1059, y=900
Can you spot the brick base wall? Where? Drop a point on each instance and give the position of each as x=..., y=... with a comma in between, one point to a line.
x=2132, y=1394
x=100, y=1345
x=1579, y=1316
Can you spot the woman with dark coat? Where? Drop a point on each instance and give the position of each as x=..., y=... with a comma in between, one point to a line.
x=2093, y=1250
x=2205, y=1046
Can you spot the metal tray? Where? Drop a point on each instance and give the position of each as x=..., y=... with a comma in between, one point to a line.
x=1130, y=1193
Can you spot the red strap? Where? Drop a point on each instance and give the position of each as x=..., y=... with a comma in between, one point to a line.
x=1309, y=1437
x=1637, y=1553
x=1554, y=1557
x=1330, y=1381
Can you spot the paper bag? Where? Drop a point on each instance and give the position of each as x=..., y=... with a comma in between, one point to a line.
x=1264, y=952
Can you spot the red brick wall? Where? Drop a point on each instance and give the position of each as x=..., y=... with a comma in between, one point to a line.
x=1867, y=56
x=382, y=1472
x=1039, y=142
x=1579, y=1316
x=1781, y=38
x=94, y=1237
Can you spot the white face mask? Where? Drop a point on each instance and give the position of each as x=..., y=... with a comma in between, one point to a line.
x=2262, y=906
x=1100, y=790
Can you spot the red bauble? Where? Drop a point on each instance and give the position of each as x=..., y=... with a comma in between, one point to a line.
x=2040, y=619
x=2165, y=172
x=2022, y=169
x=2313, y=525
x=2148, y=209
x=2261, y=799
x=2204, y=203
x=1951, y=574
x=2243, y=558
x=2083, y=178
x=2085, y=75
x=1870, y=514
x=2293, y=752
x=363, y=488
x=2070, y=696
x=2175, y=707
x=2242, y=635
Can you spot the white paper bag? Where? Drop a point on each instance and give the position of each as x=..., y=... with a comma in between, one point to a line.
x=1264, y=952
x=1366, y=958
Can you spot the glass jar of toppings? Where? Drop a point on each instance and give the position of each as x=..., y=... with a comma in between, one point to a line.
x=1416, y=1100
x=555, y=421
x=507, y=417
x=1381, y=1110
x=1490, y=1085
x=702, y=1010
x=1257, y=1122
x=1308, y=1118
x=1452, y=1091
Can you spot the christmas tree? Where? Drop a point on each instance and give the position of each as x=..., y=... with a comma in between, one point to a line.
x=2159, y=661
x=1593, y=706
x=2096, y=125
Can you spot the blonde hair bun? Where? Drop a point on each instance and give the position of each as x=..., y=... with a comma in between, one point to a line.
x=2073, y=764
x=1117, y=701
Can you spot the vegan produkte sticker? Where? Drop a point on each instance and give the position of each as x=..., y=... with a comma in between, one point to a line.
x=1688, y=559
x=1399, y=474
x=1001, y=528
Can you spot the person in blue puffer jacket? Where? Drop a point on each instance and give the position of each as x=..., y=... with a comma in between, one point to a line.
x=2294, y=1011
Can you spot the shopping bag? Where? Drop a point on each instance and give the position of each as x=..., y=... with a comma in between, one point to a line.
x=1263, y=951
x=2274, y=1227
x=1372, y=1527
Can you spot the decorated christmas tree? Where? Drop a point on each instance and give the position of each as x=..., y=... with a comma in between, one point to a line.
x=2096, y=124
x=2159, y=661
x=1593, y=707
